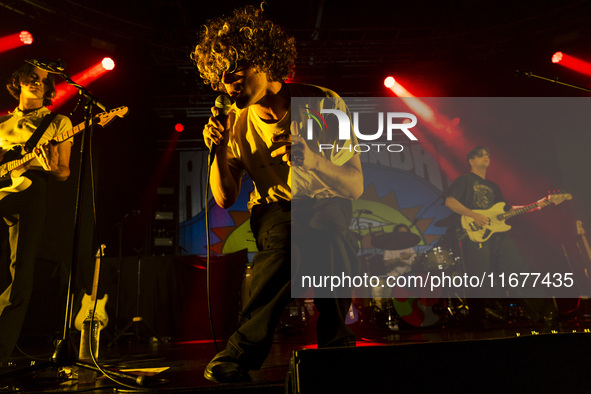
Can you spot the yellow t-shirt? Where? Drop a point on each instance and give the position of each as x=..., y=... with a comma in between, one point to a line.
x=250, y=145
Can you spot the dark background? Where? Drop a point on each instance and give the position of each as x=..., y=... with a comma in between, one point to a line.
x=436, y=49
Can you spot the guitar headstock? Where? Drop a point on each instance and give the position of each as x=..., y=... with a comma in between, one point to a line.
x=105, y=118
x=580, y=229
x=559, y=198
x=101, y=251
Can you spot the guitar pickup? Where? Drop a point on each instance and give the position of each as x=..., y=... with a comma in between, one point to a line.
x=474, y=227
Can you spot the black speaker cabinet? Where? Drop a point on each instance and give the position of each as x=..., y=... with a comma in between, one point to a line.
x=548, y=363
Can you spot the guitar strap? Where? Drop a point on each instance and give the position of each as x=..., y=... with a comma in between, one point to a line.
x=45, y=122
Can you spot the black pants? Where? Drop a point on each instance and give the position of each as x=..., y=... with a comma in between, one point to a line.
x=19, y=238
x=270, y=289
x=500, y=254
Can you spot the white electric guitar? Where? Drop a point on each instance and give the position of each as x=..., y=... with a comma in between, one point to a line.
x=11, y=170
x=497, y=217
x=88, y=300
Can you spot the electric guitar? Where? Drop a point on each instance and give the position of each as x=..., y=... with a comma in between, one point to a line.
x=497, y=217
x=88, y=301
x=11, y=170
x=581, y=232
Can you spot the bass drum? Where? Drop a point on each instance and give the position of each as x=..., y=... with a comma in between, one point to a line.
x=420, y=312
x=419, y=308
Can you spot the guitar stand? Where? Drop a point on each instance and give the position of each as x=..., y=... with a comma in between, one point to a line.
x=137, y=321
x=64, y=353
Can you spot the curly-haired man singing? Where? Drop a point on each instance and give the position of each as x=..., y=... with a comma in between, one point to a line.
x=250, y=58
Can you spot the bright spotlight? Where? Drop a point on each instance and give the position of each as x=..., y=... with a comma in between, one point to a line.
x=557, y=57
x=108, y=63
x=389, y=82
x=26, y=37
x=179, y=127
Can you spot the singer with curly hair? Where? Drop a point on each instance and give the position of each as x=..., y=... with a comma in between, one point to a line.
x=299, y=190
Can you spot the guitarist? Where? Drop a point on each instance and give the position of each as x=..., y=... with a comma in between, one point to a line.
x=22, y=214
x=500, y=253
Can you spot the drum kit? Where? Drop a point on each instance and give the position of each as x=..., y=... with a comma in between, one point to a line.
x=392, y=307
x=437, y=258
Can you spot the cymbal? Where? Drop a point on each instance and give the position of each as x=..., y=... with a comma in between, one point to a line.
x=395, y=241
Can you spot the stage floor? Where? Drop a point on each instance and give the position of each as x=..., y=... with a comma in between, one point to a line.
x=184, y=361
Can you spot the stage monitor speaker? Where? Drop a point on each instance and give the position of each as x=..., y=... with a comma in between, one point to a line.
x=536, y=363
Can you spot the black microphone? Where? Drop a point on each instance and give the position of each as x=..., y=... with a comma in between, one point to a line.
x=223, y=103
x=55, y=67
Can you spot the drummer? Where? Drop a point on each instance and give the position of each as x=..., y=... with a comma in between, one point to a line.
x=399, y=262
x=395, y=262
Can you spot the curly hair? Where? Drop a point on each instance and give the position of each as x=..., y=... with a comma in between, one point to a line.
x=13, y=84
x=247, y=37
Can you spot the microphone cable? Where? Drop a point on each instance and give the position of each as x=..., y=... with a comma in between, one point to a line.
x=208, y=256
x=223, y=103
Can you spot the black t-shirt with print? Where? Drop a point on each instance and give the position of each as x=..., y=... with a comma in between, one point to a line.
x=475, y=192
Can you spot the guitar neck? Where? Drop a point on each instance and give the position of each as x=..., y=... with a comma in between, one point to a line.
x=586, y=244
x=95, y=281
x=515, y=212
x=103, y=119
x=70, y=133
x=7, y=167
x=587, y=247
x=97, y=272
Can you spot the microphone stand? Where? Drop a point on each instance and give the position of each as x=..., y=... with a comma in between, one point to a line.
x=64, y=353
x=419, y=215
x=555, y=80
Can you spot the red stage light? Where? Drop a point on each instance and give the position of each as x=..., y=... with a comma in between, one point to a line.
x=179, y=127
x=26, y=37
x=557, y=57
x=443, y=129
x=15, y=40
x=108, y=64
x=64, y=92
x=572, y=62
x=389, y=82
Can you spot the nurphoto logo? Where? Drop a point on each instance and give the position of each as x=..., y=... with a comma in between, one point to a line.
x=388, y=123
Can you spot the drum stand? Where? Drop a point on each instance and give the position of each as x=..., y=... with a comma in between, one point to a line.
x=457, y=308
